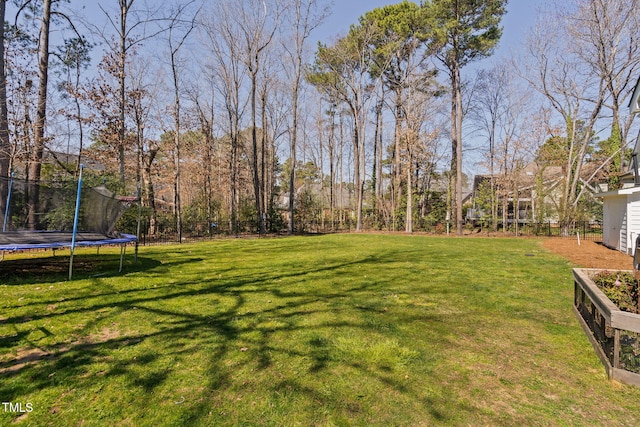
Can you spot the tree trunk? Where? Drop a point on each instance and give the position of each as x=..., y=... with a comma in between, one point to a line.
x=397, y=160
x=409, y=212
x=458, y=151
x=332, y=171
x=452, y=187
x=357, y=164
x=233, y=220
x=35, y=165
x=264, y=162
x=375, y=176
x=124, y=11
x=293, y=160
x=379, y=185
x=147, y=178
x=5, y=144
x=176, y=157
x=341, y=173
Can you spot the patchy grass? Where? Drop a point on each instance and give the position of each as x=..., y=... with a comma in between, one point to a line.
x=331, y=330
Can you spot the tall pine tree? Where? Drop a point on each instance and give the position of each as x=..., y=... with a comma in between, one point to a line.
x=467, y=30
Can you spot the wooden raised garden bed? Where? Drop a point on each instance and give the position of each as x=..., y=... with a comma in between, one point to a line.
x=614, y=334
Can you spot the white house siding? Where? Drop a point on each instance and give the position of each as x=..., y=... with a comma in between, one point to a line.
x=623, y=234
x=614, y=222
x=633, y=221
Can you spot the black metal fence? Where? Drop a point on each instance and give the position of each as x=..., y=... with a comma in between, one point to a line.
x=585, y=230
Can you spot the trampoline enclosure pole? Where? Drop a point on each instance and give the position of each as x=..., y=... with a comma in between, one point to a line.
x=75, y=222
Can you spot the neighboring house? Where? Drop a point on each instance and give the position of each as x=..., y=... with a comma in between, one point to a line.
x=521, y=196
x=621, y=211
x=343, y=199
x=621, y=217
x=59, y=158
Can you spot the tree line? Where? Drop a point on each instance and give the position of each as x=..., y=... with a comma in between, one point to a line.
x=226, y=116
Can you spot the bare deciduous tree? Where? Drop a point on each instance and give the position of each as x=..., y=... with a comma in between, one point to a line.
x=257, y=25
x=221, y=37
x=342, y=72
x=303, y=16
x=576, y=94
x=130, y=35
x=180, y=27
x=606, y=32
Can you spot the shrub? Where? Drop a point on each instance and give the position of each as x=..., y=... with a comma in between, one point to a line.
x=620, y=287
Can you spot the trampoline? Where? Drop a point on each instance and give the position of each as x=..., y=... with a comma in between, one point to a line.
x=64, y=214
x=27, y=240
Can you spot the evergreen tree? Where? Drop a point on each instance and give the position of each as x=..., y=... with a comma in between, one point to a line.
x=466, y=30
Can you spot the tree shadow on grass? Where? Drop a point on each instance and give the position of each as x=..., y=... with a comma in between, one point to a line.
x=53, y=269
x=235, y=334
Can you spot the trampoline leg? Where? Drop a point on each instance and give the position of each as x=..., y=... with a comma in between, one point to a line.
x=122, y=250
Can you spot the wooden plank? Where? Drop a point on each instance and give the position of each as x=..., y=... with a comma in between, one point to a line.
x=599, y=299
x=616, y=349
x=619, y=320
x=625, y=377
x=625, y=321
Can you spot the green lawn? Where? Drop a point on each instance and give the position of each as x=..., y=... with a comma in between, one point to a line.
x=333, y=330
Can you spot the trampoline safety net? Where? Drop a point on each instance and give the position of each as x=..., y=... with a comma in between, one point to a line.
x=50, y=206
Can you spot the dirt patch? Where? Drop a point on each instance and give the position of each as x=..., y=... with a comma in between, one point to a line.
x=589, y=254
x=30, y=356
x=106, y=334
x=23, y=358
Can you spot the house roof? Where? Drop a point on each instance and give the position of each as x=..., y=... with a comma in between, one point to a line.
x=527, y=176
x=53, y=157
x=621, y=192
